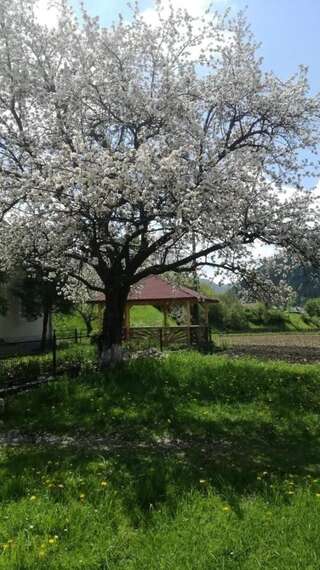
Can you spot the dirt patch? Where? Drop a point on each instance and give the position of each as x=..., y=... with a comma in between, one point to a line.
x=112, y=443
x=302, y=354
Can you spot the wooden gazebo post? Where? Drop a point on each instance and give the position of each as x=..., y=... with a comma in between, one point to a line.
x=206, y=318
x=165, y=315
x=206, y=313
x=165, y=323
x=189, y=320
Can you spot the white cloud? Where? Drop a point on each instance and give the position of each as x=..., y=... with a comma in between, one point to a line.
x=46, y=13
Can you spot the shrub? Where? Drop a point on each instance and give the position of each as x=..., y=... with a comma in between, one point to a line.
x=228, y=314
x=276, y=318
x=312, y=306
x=256, y=313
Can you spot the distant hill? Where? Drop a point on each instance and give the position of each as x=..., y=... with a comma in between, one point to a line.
x=215, y=287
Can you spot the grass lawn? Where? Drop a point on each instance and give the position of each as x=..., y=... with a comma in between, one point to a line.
x=140, y=316
x=291, y=322
x=201, y=463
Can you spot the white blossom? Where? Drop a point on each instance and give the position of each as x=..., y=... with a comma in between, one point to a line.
x=116, y=151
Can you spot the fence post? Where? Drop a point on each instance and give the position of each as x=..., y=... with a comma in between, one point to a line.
x=54, y=353
x=75, y=336
x=161, y=338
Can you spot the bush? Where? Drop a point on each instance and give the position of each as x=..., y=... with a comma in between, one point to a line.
x=276, y=318
x=28, y=368
x=312, y=306
x=228, y=314
x=256, y=313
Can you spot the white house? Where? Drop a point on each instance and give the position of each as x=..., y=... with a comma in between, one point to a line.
x=15, y=327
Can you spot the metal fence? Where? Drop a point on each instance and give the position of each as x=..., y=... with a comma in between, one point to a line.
x=135, y=337
x=34, y=345
x=26, y=363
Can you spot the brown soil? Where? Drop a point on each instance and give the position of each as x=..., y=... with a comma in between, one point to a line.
x=302, y=354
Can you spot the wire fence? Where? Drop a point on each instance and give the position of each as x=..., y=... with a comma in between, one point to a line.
x=34, y=345
x=62, y=343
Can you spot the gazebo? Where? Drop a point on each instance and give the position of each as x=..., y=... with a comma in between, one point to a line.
x=155, y=290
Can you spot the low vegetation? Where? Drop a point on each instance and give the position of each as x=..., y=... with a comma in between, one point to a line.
x=190, y=462
x=312, y=307
x=232, y=316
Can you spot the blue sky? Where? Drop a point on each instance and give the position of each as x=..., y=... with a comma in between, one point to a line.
x=288, y=29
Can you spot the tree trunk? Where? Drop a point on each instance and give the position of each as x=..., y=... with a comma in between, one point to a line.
x=112, y=327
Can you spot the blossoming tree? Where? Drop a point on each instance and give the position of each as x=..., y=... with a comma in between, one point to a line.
x=123, y=147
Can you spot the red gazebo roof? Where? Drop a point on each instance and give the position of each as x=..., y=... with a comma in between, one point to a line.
x=155, y=289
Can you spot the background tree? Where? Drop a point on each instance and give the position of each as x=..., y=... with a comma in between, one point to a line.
x=88, y=313
x=40, y=295
x=132, y=143
x=304, y=279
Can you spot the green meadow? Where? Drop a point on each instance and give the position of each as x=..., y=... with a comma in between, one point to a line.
x=191, y=462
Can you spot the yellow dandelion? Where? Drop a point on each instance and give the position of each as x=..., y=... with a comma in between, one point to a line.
x=82, y=495
x=318, y=495
x=33, y=498
x=226, y=509
x=103, y=483
x=290, y=492
x=42, y=553
x=202, y=481
x=51, y=540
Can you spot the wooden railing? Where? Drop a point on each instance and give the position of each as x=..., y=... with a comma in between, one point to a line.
x=169, y=337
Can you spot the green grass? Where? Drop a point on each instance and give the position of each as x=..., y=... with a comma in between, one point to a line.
x=291, y=322
x=140, y=316
x=19, y=369
x=242, y=490
x=66, y=323
x=146, y=316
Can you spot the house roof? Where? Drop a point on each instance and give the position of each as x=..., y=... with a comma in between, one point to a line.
x=155, y=289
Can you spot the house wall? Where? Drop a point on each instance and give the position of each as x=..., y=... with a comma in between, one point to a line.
x=14, y=327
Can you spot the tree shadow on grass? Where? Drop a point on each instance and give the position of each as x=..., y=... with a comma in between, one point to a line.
x=225, y=453
x=229, y=460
